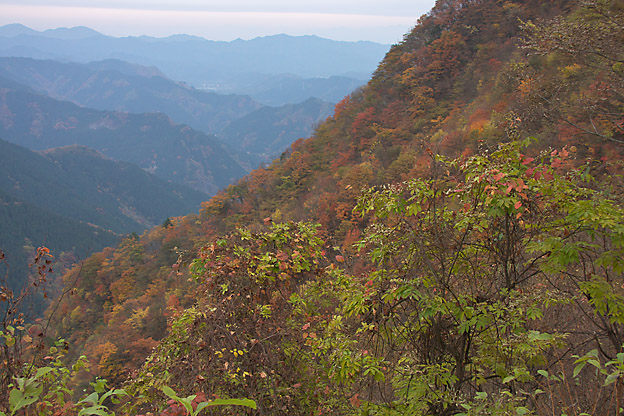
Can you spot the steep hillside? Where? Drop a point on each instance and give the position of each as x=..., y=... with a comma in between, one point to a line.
x=80, y=183
x=151, y=141
x=472, y=282
x=25, y=226
x=143, y=197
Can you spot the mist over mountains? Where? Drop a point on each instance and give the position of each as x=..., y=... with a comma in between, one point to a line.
x=115, y=85
x=215, y=65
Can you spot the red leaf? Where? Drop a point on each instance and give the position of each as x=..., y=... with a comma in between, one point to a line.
x=355, y=401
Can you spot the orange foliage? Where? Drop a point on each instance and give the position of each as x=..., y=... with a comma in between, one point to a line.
x=341, y=106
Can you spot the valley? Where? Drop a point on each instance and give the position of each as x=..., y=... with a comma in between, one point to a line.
x=94, y=115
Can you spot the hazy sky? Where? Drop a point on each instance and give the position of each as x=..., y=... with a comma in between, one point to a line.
x=378, y=20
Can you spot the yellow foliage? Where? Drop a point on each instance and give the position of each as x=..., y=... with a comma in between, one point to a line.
x=76, y=314
x=136, y=320
x=570, y=70
x=104, y=351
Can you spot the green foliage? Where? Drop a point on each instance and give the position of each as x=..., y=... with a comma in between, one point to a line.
x=246, y=280
x=187, y=402
x=46, y=389
x=465, y=264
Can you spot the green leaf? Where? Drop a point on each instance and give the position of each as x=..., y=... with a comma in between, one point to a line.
x=95, y=410
x=227, y=402
x=578, y=369
x=508, y=379
x=539, y=336
x=169, y=392
x=18, y=400
x=15, y=396
x=543, y=373
x=612, y=378
x=92, y=398
x=184, y=401
x=116, y=392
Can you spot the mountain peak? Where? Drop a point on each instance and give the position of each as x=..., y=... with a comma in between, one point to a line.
x=15, y=29
x=77, y=32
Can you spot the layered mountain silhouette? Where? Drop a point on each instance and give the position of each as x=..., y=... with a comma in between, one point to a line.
x=220, y=66
x=120, y=86
x=150, y=140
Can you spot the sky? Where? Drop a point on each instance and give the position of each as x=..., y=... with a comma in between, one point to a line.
x=383, y=21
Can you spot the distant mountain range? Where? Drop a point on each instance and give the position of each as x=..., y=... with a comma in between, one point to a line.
x=118, y=86
x=277, y=90
x=265, y=133
x=257, y=132
x=152, y=141
x=219, y=66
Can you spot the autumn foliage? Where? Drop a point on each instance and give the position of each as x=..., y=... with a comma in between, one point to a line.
x=417, y=255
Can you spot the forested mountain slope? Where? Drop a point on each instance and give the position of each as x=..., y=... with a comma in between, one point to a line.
x=25, y=226
x=75, y=201
x=152, y=141
x=81, y=183
x=431, y=286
